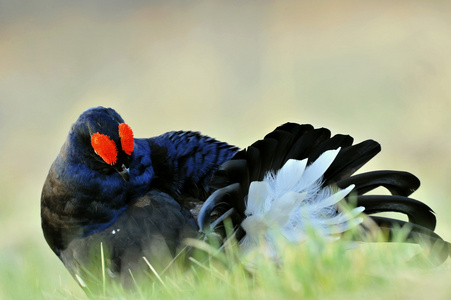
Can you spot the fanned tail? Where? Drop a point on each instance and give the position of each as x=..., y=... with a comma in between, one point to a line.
x=297, y=176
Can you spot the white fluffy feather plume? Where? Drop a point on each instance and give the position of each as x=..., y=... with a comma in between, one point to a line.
x=291, y=203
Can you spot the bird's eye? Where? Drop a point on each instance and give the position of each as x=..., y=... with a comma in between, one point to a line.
x=104, y=147
x=127, y=141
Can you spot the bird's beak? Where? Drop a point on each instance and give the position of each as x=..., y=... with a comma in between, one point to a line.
x=125, y=173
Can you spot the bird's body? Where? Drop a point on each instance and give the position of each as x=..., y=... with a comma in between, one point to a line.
x=135, y=198
x=86, y=201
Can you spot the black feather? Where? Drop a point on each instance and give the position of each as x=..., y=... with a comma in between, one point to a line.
x=397, y=182
x=350, y=159
x=418, y=212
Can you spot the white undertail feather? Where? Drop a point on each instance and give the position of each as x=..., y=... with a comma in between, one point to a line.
x=291, y=203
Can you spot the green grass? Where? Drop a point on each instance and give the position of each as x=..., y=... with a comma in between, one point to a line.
x=380, y=70
x=313, y=270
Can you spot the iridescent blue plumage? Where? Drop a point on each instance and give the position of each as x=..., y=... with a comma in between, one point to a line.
x=145, y=200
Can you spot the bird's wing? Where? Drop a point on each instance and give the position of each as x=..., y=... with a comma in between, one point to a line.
x=184, y=162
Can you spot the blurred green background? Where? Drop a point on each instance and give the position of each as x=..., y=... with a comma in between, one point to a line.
x=231, y=69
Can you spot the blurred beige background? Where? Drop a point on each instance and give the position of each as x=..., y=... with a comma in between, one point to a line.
x=230, y=69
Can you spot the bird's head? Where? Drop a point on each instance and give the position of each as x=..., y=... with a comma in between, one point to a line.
x=108, y=141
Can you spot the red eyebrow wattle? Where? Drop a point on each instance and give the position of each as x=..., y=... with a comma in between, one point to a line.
x=104, y=147
x=126, y=135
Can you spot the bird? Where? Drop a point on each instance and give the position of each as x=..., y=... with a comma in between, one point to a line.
x=110, y=199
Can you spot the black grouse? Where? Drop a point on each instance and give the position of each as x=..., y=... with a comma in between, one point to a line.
x=114, y=197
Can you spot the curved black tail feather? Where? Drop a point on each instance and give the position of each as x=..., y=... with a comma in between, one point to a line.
x=418, y=212
x=397, y=182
